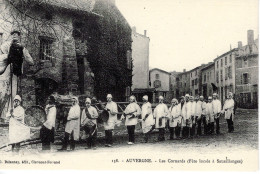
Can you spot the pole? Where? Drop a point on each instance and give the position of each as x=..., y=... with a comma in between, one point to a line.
x=11, y=83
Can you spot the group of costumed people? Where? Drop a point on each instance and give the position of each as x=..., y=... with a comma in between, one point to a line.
x=185, y=117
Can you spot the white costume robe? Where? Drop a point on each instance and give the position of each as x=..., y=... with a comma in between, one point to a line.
x=136, y=110
x=175, y=116
x=216, y=106
x=198, y=109
x=17, y=130
x=73, y=121
x=51, y=111
x=149, y=121
x=229, y=108
x=161, y=110
x=94, y=115
x=112, y=120
x=189, y=112
x=210, y=116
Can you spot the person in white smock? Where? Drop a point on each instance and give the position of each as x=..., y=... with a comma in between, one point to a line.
x=72, y=127
x=109, y=125
x=131, y=114
x=160, y=113
x=210, y=115
x=147, y=118
x=228, y=109
x=216, y=111
x=175, y=119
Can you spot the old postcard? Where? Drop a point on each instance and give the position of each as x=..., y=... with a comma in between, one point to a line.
x=129, y=85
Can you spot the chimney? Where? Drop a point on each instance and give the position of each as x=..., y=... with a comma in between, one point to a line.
x=134, y=29
x=239, y=44
x=184, y=70
x=250, y=37
x=145, y=31
x=1, y=38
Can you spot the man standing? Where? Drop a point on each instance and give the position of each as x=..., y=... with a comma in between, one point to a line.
x=131, y=114
x=187, y=117
x=47, y=130
x=147, y=118
x=160, y=113
x=72, y=125
x=193, y=112
x=198, y=114
x=216, y=111
x=89, y=121
x=204, y=115
x=109, y=125
x=182, y=106
x=16, y=115
x=175, y=119
x=229, y=111
x=13, y=53
x=210, y=115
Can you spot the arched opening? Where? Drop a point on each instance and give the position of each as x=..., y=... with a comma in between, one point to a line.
x=44, y=87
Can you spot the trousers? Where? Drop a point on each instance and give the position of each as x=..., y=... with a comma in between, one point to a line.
x=131, y=133
x=109, y=136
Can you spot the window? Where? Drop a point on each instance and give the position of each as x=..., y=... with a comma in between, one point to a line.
x=226, y=73
x=46, y=52
x=192, y=82
x=217, y=76
x=245, y=78
x=196, y=81
x=208, y=76
x=195, y=72
x=190, y=74
x=221, y=75
x=225, y=60
x=157, y=76
x=230, y=58
x=184, y=84
x=129, y=59
x=217, y=64
x=245, y=62
x=205, y=77
x=230, y=72
x=221, y=62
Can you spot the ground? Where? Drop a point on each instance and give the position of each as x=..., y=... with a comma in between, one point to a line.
x=245, y=136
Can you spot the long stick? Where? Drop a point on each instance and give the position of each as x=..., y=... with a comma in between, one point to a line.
x=11, y=82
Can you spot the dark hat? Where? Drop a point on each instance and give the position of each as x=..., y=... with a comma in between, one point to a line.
x=15, y=31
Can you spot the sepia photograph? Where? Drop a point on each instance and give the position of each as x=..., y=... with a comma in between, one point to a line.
x=129, y=85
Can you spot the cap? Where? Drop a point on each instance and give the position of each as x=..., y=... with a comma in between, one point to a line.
x=161, y=97
x=15, y=31
x=210, y=98
x=109, y=96
x=17, y=97
x=145, y=97
x=215, y=94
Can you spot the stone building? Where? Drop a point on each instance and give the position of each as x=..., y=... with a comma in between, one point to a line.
x=173, y=83
x=183, y=83
x=81, y=47
x=225, y=73
x=247, y=73
x=208, y=80
x=160, y=80
x=140, y=56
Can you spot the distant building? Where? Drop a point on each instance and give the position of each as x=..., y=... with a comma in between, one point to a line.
x=225, y=73
x=247, y=73
x=140, y=56
x=183, y=84
x=173, y=83
x=160, y=80
x=208, y=80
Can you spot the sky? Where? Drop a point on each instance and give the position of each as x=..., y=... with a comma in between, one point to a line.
x=187, y=33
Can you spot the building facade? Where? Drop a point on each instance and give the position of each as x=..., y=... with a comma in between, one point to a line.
x=183, y=84
x=173, y=83
x=247, y=71
x=140, y=56
x=160, y=80
x=225, y=73
x=208, y=80
x=69, y=49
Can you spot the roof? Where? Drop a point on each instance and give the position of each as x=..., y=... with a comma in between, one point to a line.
x=235, y=49
x=74, y=5
x=157, y=69
x=209, y=65
x=143, y=90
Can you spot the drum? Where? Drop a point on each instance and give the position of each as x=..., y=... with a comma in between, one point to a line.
x=34, y=116
x=89, y=128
